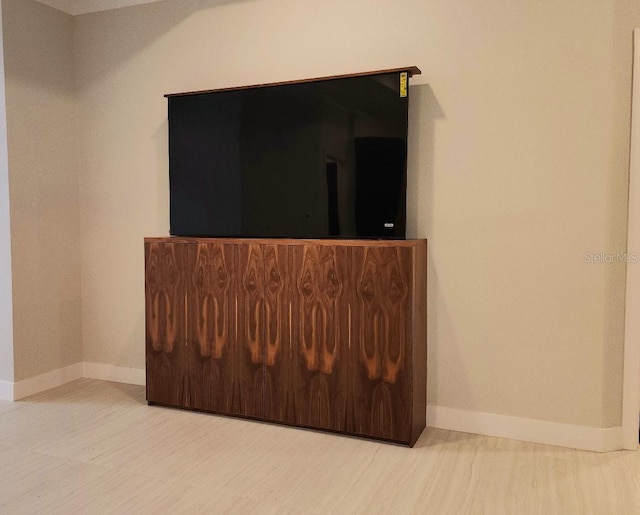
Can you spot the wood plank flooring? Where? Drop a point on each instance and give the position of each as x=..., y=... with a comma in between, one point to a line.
x=96, y=447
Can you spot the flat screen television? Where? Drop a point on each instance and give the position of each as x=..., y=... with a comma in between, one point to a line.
x=323, y=158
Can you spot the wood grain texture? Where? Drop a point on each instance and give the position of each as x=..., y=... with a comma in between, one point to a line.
x=280, y=388
x=210, y=324
x=250, y=334
x=407, y=243
x=381, y=348
x=302, y=332
x=166, y=363
x=318, y=346
x=419, y=342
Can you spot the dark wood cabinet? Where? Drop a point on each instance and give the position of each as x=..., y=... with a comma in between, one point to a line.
x=166, y=335
x=326, y=334
x=222, y=369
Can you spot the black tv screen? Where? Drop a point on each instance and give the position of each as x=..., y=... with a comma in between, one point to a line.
x=316, y=159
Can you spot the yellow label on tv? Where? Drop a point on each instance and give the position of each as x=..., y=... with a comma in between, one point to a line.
x=404, y=78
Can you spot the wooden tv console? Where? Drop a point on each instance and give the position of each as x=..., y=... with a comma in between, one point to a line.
x=323, y=334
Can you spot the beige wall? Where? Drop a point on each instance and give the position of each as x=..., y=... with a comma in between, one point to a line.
x=42, y=139
x=6, y=301
x=518, y=167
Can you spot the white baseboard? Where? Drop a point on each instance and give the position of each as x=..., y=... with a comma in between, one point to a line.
x=527, y=430
x=6, y=391
x=43, y=382
x=14, y=391
x=113, y=373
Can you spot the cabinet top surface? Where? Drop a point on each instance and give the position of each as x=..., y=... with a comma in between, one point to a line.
x=289, y=241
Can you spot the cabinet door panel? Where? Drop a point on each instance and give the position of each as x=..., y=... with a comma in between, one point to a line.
x=166, y=363
x=319, y=348
x=380, y=291
x=279, y=377
x=211, y=326
x=248, y=390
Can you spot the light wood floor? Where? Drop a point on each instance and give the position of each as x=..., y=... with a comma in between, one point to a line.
x=96, y=447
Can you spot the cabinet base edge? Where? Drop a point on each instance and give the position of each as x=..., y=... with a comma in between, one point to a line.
x=403, y=443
